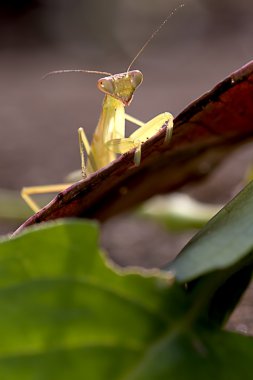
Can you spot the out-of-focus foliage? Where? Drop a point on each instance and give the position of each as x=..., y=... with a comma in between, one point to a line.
x=67, y=311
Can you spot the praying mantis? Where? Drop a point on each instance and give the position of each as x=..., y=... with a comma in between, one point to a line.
x=109, y=138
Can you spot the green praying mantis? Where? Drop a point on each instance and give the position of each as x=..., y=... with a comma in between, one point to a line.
x=109, y=138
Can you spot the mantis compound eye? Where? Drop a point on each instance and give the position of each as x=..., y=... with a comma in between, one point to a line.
x=136, y=78
x=106, y=85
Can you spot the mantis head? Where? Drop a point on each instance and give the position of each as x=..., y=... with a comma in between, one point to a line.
x=121, y=86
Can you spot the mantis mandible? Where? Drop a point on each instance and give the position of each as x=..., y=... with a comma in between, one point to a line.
x=109, y=136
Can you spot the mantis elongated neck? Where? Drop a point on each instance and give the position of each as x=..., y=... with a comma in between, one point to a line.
x=111, y=103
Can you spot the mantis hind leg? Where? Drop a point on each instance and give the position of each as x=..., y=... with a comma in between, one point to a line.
x=28, y=192
x=142, y=134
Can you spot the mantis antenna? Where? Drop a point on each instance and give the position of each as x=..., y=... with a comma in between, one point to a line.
x=75, y=71
x=154, y=34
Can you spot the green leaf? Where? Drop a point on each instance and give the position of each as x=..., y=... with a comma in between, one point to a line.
x=192, y=356
x=224, y=241
x=178, y=211
x=66, y=313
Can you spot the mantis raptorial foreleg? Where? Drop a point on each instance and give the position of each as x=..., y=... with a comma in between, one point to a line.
x=142, y=134
x=148, y=129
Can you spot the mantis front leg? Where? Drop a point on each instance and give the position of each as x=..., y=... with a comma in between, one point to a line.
x=142, y=134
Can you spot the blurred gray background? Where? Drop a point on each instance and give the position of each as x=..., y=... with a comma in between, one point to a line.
x=201, y=44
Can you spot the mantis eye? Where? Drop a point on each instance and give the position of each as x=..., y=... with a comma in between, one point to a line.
x=136, y=78
x=106, y=85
